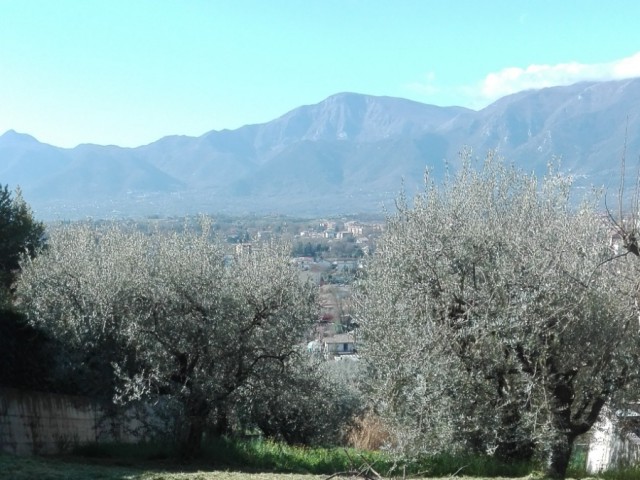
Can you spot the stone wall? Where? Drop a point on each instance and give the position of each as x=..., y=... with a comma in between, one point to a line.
x=41, y=423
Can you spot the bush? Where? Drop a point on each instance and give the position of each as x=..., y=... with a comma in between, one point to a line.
x=309, y=403
x=25, y=353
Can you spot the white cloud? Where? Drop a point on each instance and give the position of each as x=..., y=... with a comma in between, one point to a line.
x=515, y=79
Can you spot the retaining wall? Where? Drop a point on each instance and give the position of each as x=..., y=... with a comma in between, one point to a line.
x=41, y=423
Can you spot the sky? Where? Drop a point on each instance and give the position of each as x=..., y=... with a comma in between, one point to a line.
x=128, y=72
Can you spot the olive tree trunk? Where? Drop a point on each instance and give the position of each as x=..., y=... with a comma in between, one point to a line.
x=197, y=410
x=559, y=456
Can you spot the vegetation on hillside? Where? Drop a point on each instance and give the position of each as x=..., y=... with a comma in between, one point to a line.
x=495, y=320
x=23, y=348
x=172, y=319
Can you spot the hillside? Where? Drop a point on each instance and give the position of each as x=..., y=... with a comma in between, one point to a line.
x=349, y=153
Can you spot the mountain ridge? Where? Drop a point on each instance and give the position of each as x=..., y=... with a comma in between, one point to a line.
x=348, y=153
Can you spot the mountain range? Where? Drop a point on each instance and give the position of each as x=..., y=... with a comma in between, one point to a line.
x=350, y=153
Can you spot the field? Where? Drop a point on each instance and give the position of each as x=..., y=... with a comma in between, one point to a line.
x=27, y=468
x=71, y=468
x=226, y=459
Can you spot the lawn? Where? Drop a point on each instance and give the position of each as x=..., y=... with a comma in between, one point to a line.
x=28, y=468
x=228, y=459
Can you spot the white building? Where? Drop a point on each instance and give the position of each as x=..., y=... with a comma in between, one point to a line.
x=614, y=441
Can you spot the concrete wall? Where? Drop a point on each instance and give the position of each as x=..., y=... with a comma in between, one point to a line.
x=34, y=423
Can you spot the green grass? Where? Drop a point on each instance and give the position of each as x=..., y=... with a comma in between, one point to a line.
x=272, y=456
x=268, y=456
x=26, y=468
x=471, y=465
x=29, y=468
x=622, y=474
x=255, y=455
x=227, y=459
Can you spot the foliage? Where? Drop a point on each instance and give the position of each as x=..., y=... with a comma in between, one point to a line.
x=177, y=317
x=494, y=318
x=23, y=348
x=19, y=234
x=302, y=249
x=346, y=249
x=266, y=455
x=312, y=402
x=25, y=353
x=76, y=292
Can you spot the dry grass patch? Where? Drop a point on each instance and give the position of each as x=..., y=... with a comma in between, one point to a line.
x=369, y=433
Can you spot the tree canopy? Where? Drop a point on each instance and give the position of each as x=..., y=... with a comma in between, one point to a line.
x=20, y=234
x=22, y=348
x=179, y=317
x=495, y=317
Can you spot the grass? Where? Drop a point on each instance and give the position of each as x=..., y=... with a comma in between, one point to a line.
x=472, y=465
x=28, y=468
x=272, y=456
x=21, y=468
x=622, y=474
x=254, y=456
x=226, y=459
x=268, y=456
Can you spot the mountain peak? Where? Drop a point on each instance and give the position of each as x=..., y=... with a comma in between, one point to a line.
x=14, y=138
x=346, y=96
x=359, y=117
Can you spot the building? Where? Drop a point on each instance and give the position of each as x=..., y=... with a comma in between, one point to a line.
x=615, y=440
x=339, y=344
x=243, y=248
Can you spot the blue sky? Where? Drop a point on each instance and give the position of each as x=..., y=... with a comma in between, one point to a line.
x=128, y=72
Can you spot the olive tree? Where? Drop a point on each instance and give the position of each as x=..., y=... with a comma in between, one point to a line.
x=312, y=402
x=494, y=317
x=188, y=322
